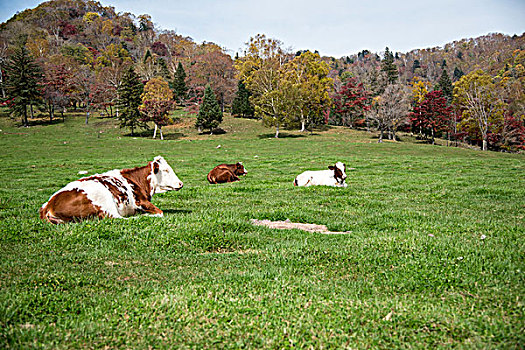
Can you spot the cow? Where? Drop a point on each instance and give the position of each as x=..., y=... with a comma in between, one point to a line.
x=226, y=173
x=113, y=194
x=335, y=176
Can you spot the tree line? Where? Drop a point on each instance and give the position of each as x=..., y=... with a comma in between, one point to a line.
x=76, y=54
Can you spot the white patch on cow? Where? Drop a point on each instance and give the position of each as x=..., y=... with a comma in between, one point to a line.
x=321, y=177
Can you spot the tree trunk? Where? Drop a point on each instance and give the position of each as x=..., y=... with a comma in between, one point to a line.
x=155, y=131
x=303, y=125
x=394, y=135
x=433, y=135
x=380, y=136
x=87, y=117
x=160, y=132
x=24, y=118
x=32, y=112
x=485, y=143
x=277, y=132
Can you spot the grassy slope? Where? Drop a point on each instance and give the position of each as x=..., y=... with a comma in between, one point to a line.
x=414, y=272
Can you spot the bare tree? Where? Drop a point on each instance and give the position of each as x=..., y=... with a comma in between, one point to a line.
x=389, y=110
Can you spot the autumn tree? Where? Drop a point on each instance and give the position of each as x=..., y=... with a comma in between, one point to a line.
x=130, y=100
x=261, y=71
x=419, y=91
x=210, y=114
x=432, y=114
x=157, y=102
x=351, y=102
x=54, y=87
x=304, y=87
x=476, y=96
x=214, y=67
x=22, y=85
x=179, y=83
x=241, y=104
x=389, y=110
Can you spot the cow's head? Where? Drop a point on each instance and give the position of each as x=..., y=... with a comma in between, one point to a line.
x=339, y=171
x=163, y=177
x=239, y=169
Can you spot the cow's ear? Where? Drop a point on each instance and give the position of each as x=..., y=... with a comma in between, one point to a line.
x=331, y=167
x=155, y=167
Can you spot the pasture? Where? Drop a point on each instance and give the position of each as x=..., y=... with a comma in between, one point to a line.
x=434, y=257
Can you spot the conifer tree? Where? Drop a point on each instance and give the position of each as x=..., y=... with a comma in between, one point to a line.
x=445, y=85
x=22, y=87
x=458, y=73
x=241, y=103
x=130, y=100
x=388, y=66
x=210, y=115
x=179, y=83
x=163, y=69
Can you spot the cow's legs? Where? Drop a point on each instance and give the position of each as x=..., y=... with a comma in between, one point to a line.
x=151, y=209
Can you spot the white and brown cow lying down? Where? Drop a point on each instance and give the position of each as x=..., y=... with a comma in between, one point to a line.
x=114, y=194
x=335, y=176
x=226, y=173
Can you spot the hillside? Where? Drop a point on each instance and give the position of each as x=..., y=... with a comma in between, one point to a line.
x=83, y=51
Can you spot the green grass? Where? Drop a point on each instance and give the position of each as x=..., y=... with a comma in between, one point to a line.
x=413, y=273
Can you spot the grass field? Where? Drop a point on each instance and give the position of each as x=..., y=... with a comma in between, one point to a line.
x=434, y=259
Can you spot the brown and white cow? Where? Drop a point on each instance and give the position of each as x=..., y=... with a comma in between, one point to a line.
x=114, y=194
x=226, y=173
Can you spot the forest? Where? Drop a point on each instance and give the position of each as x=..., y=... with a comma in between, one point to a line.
x=79, y=55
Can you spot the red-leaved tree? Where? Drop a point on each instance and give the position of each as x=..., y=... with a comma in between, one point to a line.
x=432, y=115
x=350, y=103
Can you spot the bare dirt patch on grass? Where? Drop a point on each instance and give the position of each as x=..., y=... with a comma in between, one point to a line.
x=288, y=225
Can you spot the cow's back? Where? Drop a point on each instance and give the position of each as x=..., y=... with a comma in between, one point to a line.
x=100, y=195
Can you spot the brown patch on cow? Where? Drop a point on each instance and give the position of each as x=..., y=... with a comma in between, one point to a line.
x=226, y=173
x=67, y=206
x=288, y=225
x=338, y=174
x=138, y=179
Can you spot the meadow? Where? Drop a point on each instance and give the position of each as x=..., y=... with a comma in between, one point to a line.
x=434, y=256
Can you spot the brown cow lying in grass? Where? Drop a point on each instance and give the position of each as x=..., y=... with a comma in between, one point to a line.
x=226, y=173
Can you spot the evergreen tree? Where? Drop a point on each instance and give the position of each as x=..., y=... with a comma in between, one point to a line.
x=416, y=65
x=388, y=66
x=445, y=85
x=179, y=84
x=210, y=115
x=146, y=56
x=458, y=73
x=241, y=103
x=163, y=69
x=23, y=77
x=130, y=100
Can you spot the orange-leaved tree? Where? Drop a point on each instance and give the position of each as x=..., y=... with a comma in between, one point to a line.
x=157, y=102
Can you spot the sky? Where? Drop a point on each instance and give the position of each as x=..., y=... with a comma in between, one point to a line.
x=333, y=27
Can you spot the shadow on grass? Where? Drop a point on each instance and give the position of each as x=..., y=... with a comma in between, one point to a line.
x=177, y=211
x=148, y=134
x=284, y=135
x=44, y=122
x=217, y=131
